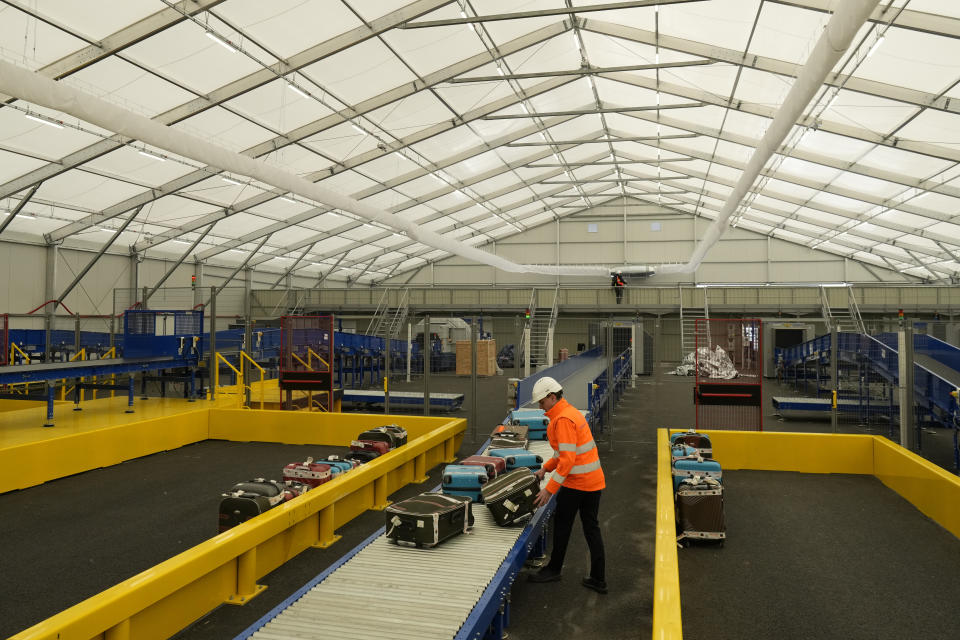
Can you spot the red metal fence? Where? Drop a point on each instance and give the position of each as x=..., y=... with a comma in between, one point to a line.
x=728, y=365
x=306, y=358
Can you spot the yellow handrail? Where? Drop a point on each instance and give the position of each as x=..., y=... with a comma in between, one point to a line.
x=311, y=352
x=244, y=356
x=14, y=348
x=300, y=360
x=82, y=355
x=109, y=354
x=216, y=375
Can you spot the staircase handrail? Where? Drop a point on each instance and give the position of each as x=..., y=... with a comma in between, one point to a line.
x=374, y=323
x=855, y=311
x=825, y=308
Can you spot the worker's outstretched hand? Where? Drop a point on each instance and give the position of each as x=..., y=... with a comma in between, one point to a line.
x=542, y=498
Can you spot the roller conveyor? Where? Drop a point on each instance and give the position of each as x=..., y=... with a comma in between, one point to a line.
x=401, y=399
x=381, y=589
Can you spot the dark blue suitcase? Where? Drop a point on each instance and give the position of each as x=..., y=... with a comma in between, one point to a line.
x=690, y=467
x=518, y=458
x=464, y=480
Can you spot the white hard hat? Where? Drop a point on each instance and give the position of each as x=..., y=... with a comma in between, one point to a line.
x=544, y=387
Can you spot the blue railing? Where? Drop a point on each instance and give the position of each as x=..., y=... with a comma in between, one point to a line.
x=558, y=372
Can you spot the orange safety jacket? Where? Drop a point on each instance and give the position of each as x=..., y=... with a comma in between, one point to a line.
x=576, y=459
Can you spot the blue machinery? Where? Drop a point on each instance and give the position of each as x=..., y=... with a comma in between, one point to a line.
x=872, y=363
x=153, y=340
x=600, y=392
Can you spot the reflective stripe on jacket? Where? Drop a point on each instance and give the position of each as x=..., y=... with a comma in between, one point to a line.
x=576, y=460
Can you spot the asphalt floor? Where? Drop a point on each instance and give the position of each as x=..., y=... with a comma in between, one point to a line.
x=807, y=556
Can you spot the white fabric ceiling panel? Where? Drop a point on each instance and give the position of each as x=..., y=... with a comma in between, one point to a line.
x=790, y=189
x=410, y=115
x=186, y=55
x=32, y=226
x=444, y=145
x=36, y=43
x=475, y=165
x=732, y=151
x=330, y=245
x=938, y=202
x=936, y=127
x=385, y=168
x=129, y=85
x=904, y=163
x=129, y=164
x=773, y=39
x=865, y=185
x=427, y=50
x=349, y=181
x=15, y=164
x=875, y=230
x=360, y=72
x=86, y=190
x=19, y=133
x=298, y=159
x=839, y=147
x=556, y=54
x=173, y=211
x=373, y=9
x=225, y=129
x=763, y=88
x=827, y=219
x=912, y=59
x=340, y=143
x=502, y=31
x=903, y=218
x=496, y=183
x=867, y=112
x=746, y=124
x=278, y=107
x=465, y=97
x=809, y=171
x=416, y=212
x=290, y=26
x=240, y=224
x=216, y=189
x=833, y=201
x=422, y=186
x=386, y=199
x=725, y=23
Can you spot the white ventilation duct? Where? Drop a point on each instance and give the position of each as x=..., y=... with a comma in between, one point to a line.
x=835, y=40
x=34, y=88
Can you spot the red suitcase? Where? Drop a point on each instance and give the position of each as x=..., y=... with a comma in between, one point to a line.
x=494, y=465
x=378, y=448
x=293, y=489
x=308, y=472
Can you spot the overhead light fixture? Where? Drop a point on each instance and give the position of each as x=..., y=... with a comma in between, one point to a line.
x=286, y=199
x=26, y=216
x=876, y=45
x=43, y=120
x=220, y=41
x=297, y=90
x=106, y=229
x=500, y=71
x=231, y=181
x=179, y=241
x=358, y=129
x=151, y=155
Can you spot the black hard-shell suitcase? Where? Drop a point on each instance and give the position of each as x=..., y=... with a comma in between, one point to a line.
x=269, y=489
x=699, y=504
x=428, y=519
x=398, y=432
x=238, y=506
x=510, y=496
x=378, y=435
x=361, y=456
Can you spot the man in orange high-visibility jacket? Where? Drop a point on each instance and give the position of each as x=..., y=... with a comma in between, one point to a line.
x=577, y=480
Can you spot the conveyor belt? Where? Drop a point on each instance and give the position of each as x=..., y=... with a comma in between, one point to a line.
x=19, y=373
x=819, y=408
x=404, y=399
x=385, y=590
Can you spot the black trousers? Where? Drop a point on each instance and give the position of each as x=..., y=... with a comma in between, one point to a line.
x=587, y=503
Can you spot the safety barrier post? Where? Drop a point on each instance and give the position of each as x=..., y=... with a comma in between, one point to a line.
x=420, y=468
x=119, y=631
x=325, y=524
x=247, y=587
x=448, y=452
x=380, y=501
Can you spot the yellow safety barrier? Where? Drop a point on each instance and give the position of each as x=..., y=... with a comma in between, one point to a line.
x=244, y=357
x=311, y=354
x=666, y=577
x=14, y=349
x=931, y=489
x=79, y=355
x=218, y=357
x=300, y=360
x=159, y=602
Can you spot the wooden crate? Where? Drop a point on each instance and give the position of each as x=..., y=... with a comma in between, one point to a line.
x=486, y=357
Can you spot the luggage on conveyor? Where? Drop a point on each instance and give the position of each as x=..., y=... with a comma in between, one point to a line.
x=510, y=497
x=464, y=480
x=339, y=465
x=399, y=433
x=692, y=438
x=362, y=457
x=699, y=505
x=512, y=431
x=494, y=465
x=372, y=446
x=353, y=463
x=428, y=519
x=534, y=419
x=499, y=442
x=517, y=458
x=681, y=451
x=247, y=500
x=695, y=466
x=376, y=435
x=293, y=489
x=308, y=472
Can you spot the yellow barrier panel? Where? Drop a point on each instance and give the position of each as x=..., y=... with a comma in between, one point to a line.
x=216, y=377
x=245, y=357
x=311, y=354
x=79, y=355
x=666, y=581
x=931, y=489
x=164, y=599
x=15, y=349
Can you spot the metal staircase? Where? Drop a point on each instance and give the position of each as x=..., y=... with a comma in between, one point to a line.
x=542, y=322
x=387, y=321
x=688, y=324
x=846, y=320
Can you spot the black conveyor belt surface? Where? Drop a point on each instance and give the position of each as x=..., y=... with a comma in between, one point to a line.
x=820, y=556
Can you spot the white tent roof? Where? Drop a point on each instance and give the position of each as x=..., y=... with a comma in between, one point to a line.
x=470, y=117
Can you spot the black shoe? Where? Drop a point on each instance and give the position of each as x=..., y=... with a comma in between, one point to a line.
x=597, y=585
x=544, y=576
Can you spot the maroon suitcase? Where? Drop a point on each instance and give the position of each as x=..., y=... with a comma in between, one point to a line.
x=494, y=465
x=308, y=472
x=378, y=448
x=293, y=489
